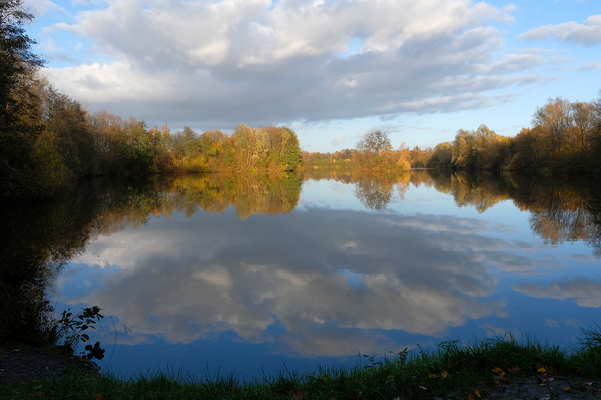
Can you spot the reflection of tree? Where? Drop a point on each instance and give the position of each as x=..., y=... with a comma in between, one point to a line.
x=249, y=194
x=339, y=175
x=39, y=238
x=214, y=193
x=562, y=209
x=374, y=192
x=482, y=189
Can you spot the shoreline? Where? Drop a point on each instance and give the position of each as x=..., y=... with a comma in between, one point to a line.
x=499, y=368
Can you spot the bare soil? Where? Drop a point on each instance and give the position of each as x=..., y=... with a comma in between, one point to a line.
x=21, y=365
x=548, y=387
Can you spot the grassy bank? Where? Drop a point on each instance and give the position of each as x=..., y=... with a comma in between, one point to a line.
x=450, y=371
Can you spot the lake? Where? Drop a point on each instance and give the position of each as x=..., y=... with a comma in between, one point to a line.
x=257, y=275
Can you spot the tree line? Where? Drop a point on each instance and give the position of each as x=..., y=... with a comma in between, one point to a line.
x=373, y=153
x=565, y=137
x=48, y=140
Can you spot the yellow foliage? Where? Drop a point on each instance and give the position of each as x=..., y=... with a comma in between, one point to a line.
x=188, y=164
x=403, y=164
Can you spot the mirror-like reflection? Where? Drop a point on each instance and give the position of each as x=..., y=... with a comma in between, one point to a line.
x=562, y=209
x=190, y=259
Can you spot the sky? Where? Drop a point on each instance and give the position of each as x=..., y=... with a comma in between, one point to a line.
x=332, y=70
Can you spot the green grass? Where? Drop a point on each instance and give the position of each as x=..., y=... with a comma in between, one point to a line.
x=450, y=371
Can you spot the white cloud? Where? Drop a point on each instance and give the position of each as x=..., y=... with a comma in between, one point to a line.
x=338, y=140
x=41, y=7
x=589, y=66
x=587, y=34
x=219, y=63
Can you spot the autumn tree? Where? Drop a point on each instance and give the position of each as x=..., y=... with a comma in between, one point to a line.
x=420, y=158
x=374, y=152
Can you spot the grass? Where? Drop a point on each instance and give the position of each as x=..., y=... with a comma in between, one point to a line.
x=450, y=371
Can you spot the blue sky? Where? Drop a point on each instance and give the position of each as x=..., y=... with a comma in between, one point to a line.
x=330, y=69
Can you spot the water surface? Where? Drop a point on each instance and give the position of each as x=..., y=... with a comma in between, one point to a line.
x=254, y=275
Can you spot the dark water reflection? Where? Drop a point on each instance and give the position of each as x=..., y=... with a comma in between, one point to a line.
x=202, y=277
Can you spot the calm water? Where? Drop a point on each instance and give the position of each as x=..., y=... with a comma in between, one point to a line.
x=252, y=276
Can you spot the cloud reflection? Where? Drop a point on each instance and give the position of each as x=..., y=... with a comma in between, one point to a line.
x=586, y=293
x=330, y=281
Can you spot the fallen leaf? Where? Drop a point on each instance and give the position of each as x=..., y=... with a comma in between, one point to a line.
x=300, y=394
x=589, y=384
x=469, y=396
x=542, y=369
x=432, y=376
x=477, y=393
x=568, y=388
x=445, y=374
x=498, y=371
x=422, y=387
x=99, y=396
x=514, y=369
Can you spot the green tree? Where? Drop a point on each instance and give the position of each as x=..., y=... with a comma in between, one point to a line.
x=442, y=156
x=290, y=154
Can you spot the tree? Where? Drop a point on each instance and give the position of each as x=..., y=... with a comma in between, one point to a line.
x=15, y=49
x=374, y=150
x=290, y=150
x=584, y=120
x=555, y=118
x=442, y=156
x=19, y=104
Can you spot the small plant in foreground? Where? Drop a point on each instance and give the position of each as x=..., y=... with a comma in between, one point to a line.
x=71, y=328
